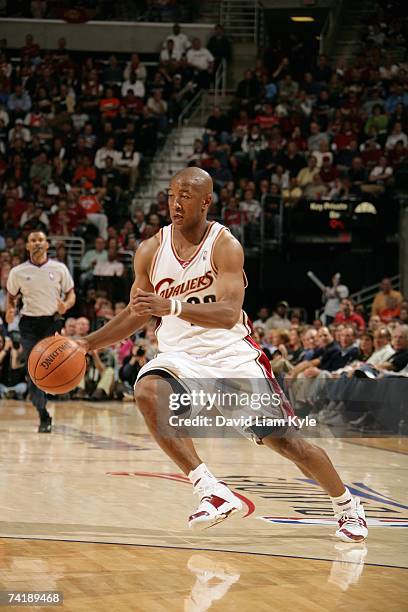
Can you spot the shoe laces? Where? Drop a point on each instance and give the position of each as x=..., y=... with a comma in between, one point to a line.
x=351, y=517
x=205, y=489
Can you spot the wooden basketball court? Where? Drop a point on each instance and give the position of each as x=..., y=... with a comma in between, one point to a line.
x=95, y=510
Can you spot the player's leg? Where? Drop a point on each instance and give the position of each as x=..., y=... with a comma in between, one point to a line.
x=315, y=463
x=151, y=401
x=216, y=500
x=311, y=460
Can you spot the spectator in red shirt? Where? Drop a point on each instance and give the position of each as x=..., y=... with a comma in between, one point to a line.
x=84, y=170
x=343, y=139
x=267, y=118
x=109, y=104
x=93, y=210
x=347, y=314
x=328, y=172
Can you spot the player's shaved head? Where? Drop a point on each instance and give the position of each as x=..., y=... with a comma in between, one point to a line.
x=196, y=178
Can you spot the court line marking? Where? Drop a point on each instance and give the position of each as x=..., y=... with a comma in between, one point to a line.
x=387, y=450
x=217, y=550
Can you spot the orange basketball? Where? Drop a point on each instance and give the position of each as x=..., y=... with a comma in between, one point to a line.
x=57, y=364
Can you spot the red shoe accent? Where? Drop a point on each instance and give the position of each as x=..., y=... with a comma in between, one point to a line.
x=356, y=538
x=197, y=514
x=215, y=501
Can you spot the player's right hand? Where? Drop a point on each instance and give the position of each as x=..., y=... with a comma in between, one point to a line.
x=83, y=344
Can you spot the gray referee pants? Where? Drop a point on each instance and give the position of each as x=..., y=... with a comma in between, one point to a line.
x=32, y=330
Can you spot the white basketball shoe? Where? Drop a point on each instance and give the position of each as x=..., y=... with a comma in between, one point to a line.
x=352, y=523
x=217, y=502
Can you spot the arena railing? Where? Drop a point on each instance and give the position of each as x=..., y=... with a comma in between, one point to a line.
x=366, y=295
x=75, y=247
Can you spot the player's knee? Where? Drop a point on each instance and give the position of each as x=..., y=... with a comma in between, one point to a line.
x=146, y=397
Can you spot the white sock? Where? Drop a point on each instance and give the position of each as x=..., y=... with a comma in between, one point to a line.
x=343, y=502
x=200, y=473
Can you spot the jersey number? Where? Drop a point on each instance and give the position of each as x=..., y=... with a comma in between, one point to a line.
x=206, y=300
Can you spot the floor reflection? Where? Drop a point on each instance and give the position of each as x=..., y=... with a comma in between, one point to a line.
x=348, y=567
x=214, y=579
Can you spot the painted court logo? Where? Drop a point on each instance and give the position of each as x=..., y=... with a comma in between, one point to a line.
x=304, y=503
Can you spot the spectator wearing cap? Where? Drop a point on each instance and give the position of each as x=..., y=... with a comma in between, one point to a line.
x=279, y=319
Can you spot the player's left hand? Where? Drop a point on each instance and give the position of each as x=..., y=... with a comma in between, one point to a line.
x=145, y=303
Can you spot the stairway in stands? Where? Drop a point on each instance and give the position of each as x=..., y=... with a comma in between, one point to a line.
x=172, y=158
x=348, y=39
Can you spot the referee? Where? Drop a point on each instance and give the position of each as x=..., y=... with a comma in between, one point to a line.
x=41, y=282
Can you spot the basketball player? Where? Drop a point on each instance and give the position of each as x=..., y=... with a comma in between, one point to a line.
x=203, y=335
x=41, y=283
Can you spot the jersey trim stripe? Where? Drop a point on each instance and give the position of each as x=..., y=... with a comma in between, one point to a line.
x=245, y=322
x=186, y=263
x=214, y=267
x=265, y=366
x=156, y=256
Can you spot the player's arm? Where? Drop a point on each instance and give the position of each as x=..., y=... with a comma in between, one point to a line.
x=225, y=312
x=127, y=322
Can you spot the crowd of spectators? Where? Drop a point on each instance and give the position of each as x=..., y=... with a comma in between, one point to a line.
x=302, y=128
x=74, y=134
x=84, y=10
x=321, y=365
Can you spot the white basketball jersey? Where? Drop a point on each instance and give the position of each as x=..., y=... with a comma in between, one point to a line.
x=193, y=281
